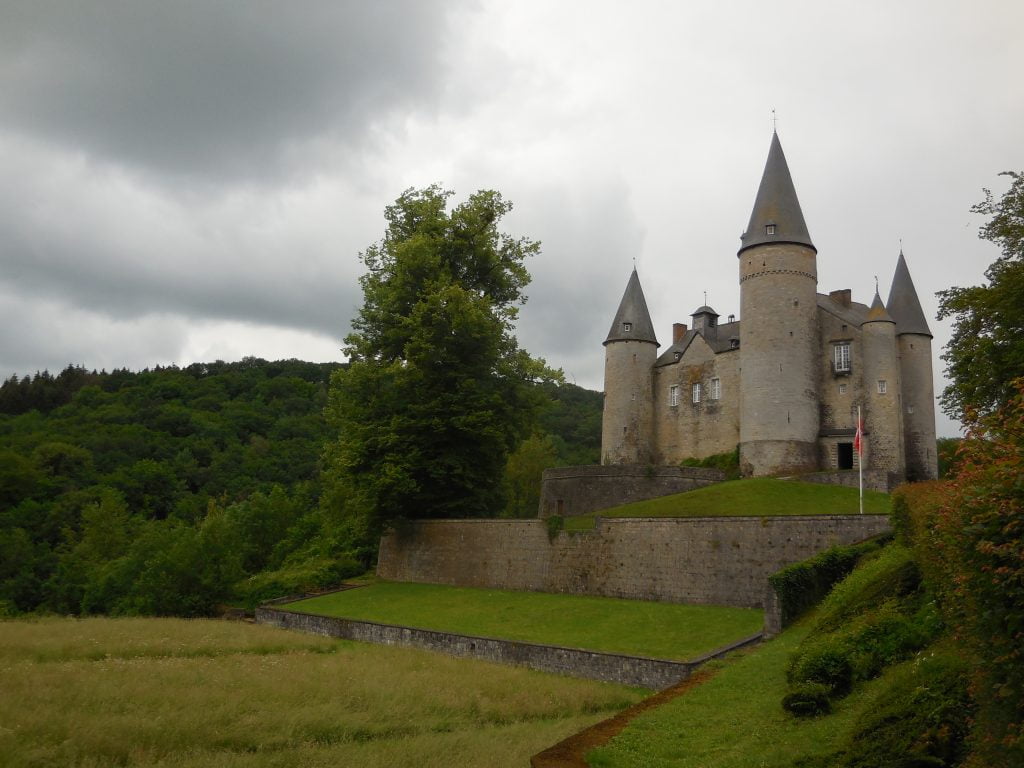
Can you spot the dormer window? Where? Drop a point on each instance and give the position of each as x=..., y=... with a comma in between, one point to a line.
x=627, y=327
x=769, y=229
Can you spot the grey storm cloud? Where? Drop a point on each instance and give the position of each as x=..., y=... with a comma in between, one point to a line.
x=214, y=89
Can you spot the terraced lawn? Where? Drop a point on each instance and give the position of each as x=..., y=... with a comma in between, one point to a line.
x=759, y=496
x=608, y=624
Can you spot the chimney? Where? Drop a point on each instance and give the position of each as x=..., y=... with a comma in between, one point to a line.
x=841, y=297
x=678, y=331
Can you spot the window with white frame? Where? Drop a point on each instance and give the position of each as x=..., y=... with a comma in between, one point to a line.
x=627, y=327
x=696, y=393
x=673, y=395
x=841, y=352
x=842, y=389
x=716, y=389
x=881, y=386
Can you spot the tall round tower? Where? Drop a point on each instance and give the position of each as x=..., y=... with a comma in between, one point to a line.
x=779, y=411
x=629, y=354
x=883, y=421
x=914, y=341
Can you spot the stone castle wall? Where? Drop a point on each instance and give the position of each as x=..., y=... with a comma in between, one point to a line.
x=779, y=342
x=695, y=430
x=572, y=491
x=716, y=561
x=918, y=406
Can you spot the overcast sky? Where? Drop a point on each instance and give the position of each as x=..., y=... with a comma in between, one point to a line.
x=186, y=181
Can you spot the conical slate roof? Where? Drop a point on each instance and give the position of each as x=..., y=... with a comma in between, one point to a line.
x=776, y=206
x=877, y=312
x=632, y=315
x=903, y=305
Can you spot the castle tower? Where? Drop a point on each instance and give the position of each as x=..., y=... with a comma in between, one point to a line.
x=779, y=412
x=883, y=421
x=629, y=354
x=914, y=342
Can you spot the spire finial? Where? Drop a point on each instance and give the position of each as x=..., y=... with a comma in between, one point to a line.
x=705, y=298
x=775, y=122
x=901, y=246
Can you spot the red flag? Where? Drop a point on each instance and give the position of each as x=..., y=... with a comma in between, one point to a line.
x=858, y=440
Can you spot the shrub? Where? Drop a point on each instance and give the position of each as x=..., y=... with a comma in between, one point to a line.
x=802, y=585
x=808, y=700
x=920, y=717
x=728, y=462
x=827, y=664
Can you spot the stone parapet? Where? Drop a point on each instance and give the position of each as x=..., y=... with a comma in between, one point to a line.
x=573, y=491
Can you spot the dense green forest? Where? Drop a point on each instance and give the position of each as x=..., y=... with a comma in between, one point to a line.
x=181, y=490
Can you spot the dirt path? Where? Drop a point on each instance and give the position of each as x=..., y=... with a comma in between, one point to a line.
x=570, y=753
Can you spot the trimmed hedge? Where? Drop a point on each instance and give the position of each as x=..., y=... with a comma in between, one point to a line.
x=803, y=585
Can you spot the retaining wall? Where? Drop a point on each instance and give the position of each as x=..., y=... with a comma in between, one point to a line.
x=708, y=560
x=572, y=491
x=609, y=667
x=874, y=479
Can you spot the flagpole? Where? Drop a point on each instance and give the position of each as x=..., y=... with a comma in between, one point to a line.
x=860, y=458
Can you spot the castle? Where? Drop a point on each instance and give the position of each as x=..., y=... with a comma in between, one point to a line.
x=784, y=381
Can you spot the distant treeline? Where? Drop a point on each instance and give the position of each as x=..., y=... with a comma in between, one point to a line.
x=179, y=490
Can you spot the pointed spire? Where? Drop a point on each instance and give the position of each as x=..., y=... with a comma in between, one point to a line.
x=903, y=304
x=877, y=313
x=632, y=321
x=776, y=217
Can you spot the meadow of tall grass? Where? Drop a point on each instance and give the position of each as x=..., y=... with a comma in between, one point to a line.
x=170, y=692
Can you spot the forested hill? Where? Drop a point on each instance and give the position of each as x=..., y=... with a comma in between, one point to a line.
x=175, y=490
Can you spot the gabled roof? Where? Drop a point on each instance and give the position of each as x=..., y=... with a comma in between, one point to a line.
x=777, y=205
x=854, y=314
x=903, y=305
x=632, y=314
x=721, y=342
x=877, y=313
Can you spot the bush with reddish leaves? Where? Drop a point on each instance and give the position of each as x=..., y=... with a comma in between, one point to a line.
x=967, y=537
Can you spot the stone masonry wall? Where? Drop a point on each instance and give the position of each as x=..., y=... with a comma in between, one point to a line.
x=609, y=667
x=572, y=491
x=716, y=561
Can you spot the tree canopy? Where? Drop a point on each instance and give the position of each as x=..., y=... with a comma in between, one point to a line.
x=986, y=351
x=437, y=392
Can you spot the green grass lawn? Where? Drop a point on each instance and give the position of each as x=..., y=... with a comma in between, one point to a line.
x=754, y=497
x=176, y=693
x=635, y=627
x=734, y=720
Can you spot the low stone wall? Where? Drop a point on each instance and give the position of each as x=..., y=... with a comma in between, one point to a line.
x=874, y=479
x=707, y=560
x=572, y=491
x=608, y=667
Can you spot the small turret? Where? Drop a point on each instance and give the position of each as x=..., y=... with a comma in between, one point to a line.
x=882, y=395
x=914, y=341
x=630, y=351
x=705, y=322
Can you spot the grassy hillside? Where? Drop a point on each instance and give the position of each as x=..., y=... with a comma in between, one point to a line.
x=595, y=623
x=886, y=689
x=167, y=692
x=755, y=496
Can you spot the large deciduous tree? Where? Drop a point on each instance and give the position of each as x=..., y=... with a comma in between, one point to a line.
x=986, y=351
x=437, y=391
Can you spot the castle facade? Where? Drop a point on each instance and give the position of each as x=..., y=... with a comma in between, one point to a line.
x=785, y=379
